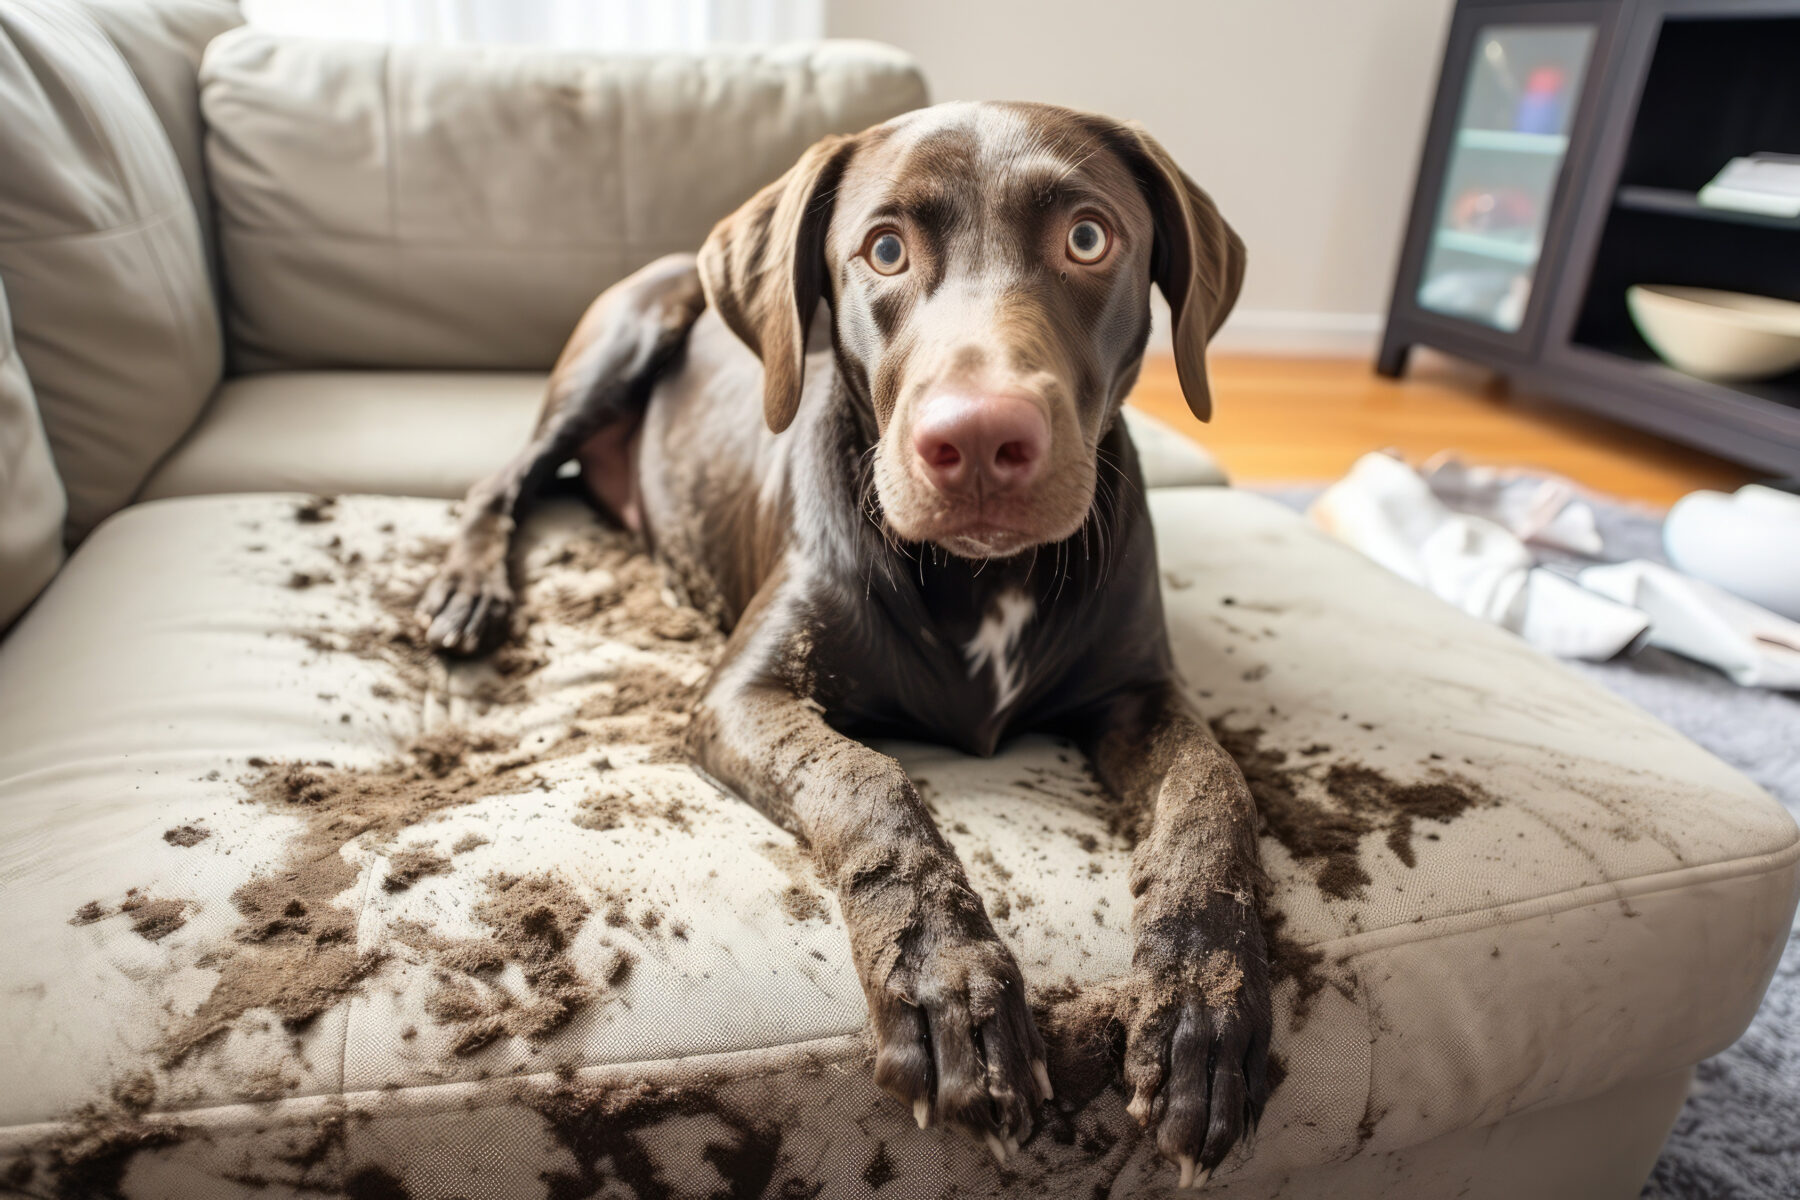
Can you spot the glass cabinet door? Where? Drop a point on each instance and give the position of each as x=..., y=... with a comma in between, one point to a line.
x=1520, y=94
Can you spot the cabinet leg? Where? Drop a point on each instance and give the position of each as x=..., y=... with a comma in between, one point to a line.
x=1391, y=362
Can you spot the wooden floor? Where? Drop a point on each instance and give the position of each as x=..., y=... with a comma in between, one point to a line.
x=1308, y=419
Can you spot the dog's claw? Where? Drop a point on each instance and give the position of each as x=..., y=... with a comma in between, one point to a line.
x=996, y=1148
x=922, y=1112
x=1139, y=1108
x=1186, y=1162
x=1042, y=1074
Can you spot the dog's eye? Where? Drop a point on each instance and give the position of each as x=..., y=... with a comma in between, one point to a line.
x=887, y=253
x=1087, y=241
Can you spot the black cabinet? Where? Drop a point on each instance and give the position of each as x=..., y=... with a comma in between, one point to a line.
x=1566, y=146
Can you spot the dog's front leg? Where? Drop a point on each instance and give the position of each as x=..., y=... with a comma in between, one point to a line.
x=954, y=1038
x=1195, y=1009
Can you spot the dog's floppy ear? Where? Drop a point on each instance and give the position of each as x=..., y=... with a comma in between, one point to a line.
x=1198, y=261
x=763, y=268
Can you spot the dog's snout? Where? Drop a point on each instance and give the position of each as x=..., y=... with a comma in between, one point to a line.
x=969, y=441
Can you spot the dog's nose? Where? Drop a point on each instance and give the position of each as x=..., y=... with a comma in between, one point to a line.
x=992, y=442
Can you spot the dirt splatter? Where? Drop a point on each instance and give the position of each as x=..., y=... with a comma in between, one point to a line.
x=468, y=842
x=614, y=804
x=1367, y=801
x=186, y=835
x=88, y=913
x=534, y=919
x=88, y=1157
x=294, y=950
x=407, y=867
x=880, y=1168
x=606, y=1132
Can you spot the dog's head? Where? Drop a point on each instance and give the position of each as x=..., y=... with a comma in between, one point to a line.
x=988, y=268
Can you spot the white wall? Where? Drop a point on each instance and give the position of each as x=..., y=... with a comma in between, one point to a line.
x=1303, y=118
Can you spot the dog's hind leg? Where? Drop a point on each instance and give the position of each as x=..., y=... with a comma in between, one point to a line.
x=603, y=378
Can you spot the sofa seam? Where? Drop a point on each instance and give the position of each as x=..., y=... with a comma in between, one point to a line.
x=1770, y=862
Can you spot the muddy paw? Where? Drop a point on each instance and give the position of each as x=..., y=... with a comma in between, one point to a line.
x=956, y=1043
x=466, y=608
x=1196, y=1064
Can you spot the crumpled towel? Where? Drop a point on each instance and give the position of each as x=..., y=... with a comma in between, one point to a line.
x=1755, y=647
x=1388, y=511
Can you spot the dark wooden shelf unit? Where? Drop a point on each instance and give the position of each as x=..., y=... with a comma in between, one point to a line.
x=1672, y=89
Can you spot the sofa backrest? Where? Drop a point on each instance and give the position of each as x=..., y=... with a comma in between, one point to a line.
x=440, y=207
x=31, y=496
x=101, y=257
x=162, y=41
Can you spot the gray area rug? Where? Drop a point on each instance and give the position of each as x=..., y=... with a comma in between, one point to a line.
x=1738, y=1137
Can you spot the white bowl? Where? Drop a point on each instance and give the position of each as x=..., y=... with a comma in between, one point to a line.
x=1718, y=335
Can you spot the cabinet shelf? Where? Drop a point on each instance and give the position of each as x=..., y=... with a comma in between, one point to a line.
x=1522, y=251
x=1676, y=203
x=1513, y=142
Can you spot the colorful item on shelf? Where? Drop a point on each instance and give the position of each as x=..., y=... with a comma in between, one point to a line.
x=1543, y=106
x=1494, y=210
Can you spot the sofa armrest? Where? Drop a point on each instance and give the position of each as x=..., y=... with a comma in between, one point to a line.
x=454, y=206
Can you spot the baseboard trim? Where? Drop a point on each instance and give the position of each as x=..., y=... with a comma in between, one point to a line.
x=1291, y=332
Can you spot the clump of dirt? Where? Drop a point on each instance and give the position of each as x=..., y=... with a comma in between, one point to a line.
x=1367, y=801
x=407, y=867
x=1083, y=1040
x=153, y=919
x=468, y=842
x=135, y=1093
x=800, y=899
x=802, y=904
x=186, y=835
x=315, y=509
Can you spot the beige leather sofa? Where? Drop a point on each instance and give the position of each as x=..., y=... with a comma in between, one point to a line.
x=290, y=908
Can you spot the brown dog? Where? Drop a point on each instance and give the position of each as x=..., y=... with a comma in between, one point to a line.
x=934, y=526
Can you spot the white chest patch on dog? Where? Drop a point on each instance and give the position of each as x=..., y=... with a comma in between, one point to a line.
x=996, y=644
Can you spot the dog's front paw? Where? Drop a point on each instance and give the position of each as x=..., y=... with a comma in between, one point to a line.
x=955, y=1040
x=468, y=605
x=1196, y=1062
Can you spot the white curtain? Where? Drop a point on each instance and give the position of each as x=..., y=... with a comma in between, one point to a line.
x=619, y=25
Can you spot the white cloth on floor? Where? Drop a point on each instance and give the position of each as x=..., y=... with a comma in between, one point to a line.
x=1755, y=647
x=1407, y=522
x=1388, y=511
x=1541, y=509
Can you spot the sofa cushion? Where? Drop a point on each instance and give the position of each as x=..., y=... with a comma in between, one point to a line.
x=31, y=496
x=161, y=41
x=101, y=257
x=432, y=206
x=397, y=433
x=430, y=433
x=496, y=920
